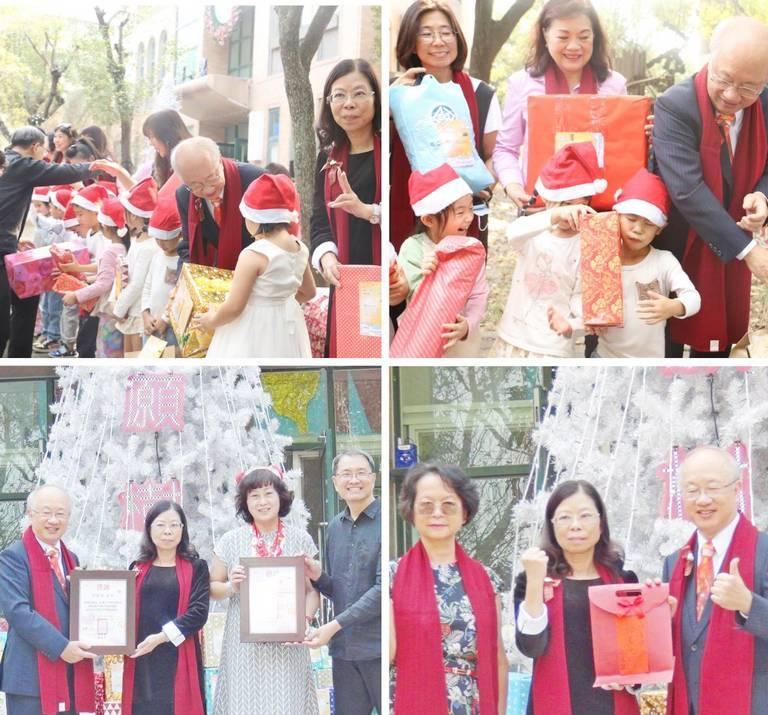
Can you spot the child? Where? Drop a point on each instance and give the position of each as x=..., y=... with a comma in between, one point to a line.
x=165, y=228
x=139, y=203
x=443, y=203
x=111, y=218
x=546, y=276
x=261, y=316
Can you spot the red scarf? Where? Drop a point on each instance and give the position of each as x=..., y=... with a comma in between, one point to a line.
x=724, y=287
x=52, y=675
x=555, y=82
x=230, y=232
x=725, y=689
x=552, y=667
x=419, y=657
x=402, y=220
x=187, y=699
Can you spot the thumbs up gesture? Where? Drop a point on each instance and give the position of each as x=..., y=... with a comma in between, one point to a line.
x=729, y=590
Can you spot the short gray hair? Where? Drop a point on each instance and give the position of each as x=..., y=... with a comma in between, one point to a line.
x=202, y=144
x=33, y=494
x=729, y=463
x=353, y=452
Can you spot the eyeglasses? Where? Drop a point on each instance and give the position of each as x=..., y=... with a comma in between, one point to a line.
x=212, y=180
x=564, y=521
x=711, y=491
x=346, y=476
x=447, y=508
x=339, y=98
x=446, y=34
x=744, y=90
x=161, y=526
x=47, y=514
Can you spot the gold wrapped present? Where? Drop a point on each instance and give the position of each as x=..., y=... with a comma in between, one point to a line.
x=653, y=702
x=198, y=288
x=113, y=677
x=213, y=637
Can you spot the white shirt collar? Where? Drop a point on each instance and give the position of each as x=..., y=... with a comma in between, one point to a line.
x=47, y=547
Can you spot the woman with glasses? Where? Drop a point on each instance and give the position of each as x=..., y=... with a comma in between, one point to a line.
x=569, y=56
x=346, y=208
x=552, y=607
x=164, y=675
x=445, y=628
x=430, y=40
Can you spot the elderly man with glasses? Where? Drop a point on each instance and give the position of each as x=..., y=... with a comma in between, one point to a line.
x=710, y=141
x=720, y=581
x=352, y=580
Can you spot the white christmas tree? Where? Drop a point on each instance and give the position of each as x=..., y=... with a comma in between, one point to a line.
x=118, y=444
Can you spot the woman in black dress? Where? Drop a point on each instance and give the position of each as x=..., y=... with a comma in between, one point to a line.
x=552, y=607
x=164, y=676
x=346, y=212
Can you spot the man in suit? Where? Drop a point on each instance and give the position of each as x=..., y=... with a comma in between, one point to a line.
x=710, y=147
x=213, y=231
x=36, y=672
x=720, y=581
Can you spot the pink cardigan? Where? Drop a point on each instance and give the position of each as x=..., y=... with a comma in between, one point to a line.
x=509, y=156
x=105, y=276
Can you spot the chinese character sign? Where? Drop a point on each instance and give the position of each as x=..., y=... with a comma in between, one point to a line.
x=154, y=401
x=139, y=497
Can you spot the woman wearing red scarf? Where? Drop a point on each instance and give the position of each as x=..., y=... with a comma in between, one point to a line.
x=346, y=210
x=261, y=678
x=569, y=56
x=445, y=637
x=164, y=676
x=430, y=41
x=552, y=607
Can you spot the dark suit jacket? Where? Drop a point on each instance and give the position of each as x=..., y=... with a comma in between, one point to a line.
x=695, y=633
x=676, y=138
x=28, y=631
x=210, y=229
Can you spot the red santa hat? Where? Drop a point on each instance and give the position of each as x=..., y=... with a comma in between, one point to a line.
x=112, y=214
x=90, y=197
x=165, y=222
x=60, y=198
x=644, y=195
x=272, y=198
x=41, y=193
x=431, y=192
x=572, y=173
x=141, y=199
x=110, y=186
x=70, y=219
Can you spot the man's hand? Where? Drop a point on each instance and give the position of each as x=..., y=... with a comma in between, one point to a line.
x=312, y=569
x=77, y=651
x=321, y=636
x=730, y=592
x=757, y=262
x=756, y=212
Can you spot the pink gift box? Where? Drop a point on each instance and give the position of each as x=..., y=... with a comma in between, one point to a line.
x=29, y=272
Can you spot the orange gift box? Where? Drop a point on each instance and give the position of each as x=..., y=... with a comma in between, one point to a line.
x=615, y=125
x=602, y=298
x=631, y=634
x=357, y=312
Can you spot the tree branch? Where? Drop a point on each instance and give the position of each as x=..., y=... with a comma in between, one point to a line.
x=314, y=36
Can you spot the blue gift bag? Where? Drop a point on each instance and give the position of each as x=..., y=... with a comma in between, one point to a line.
x=517, y=693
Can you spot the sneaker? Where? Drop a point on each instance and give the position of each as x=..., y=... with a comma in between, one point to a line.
x=62, y=351
x=43, y=344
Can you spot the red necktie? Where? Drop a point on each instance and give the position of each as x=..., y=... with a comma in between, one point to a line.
x=724, y=121
x=217, y=211
x=705, y=576
x=53, y=557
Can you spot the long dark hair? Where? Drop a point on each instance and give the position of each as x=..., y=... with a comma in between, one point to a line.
x=167, y=126
x=409, y=29
x=84, y=146
x=607, y=552
x=69, y=131
x=98, y=137
x=148, y=550
x=328, y=131
x=539, y=58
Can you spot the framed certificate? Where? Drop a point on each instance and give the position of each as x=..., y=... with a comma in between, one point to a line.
x=102, y=610
x=272, y=601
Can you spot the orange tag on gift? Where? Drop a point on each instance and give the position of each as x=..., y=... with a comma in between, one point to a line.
x=633, y=649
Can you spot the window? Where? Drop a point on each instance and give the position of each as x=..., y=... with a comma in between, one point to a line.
x=273, y=134
x=236, y=137
x=241, y=44
x=329, y=45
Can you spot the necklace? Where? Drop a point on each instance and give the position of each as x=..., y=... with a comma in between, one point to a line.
x=259, y=543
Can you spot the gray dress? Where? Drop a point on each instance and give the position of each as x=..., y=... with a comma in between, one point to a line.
x=262, y=678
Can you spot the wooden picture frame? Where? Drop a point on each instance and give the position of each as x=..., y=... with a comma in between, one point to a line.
x=102, y=610
x=272, y=600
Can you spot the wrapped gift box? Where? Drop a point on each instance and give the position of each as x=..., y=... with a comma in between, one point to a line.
x=616, y=126
x=601, y=289
x=316, y=318
x=210, y=677
x=198, y=288
x=29, y=272
x=357, y=312
x=753, y=345
x=323, y=677
x=213, y=637
x=112, y=708
x=518, y=693
x=653, y=702
x=325, y=701
x=113, y=678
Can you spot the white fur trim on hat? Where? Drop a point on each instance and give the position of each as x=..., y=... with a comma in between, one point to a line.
x=571, y=192
x=441, y=197
x=83, y=203
x=123, y=198
x=70, y=222
x=642, y=208
x=268, y=215
x=163, y=235
x=42, y=198
x=56, y=203
x=102, y=218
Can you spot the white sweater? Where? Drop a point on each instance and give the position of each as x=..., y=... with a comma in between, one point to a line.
x=161, y=278
x=139, y=257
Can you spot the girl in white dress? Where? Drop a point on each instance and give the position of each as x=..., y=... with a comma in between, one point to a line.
x=261, y=316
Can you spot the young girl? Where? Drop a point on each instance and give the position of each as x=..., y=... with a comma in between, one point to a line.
x=443, y=203
x=261, y=316
x=546, y=277
x=139, y=203
x=111, y=218
x=63, y=208
x=165, y=228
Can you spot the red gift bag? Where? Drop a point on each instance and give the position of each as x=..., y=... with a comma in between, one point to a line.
x=439, y=298
x=602, y=294
x=631, y=634
x=616, y=126
x=357, y=312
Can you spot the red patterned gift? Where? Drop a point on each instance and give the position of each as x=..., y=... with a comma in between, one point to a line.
x=601, y=292
x=30, y=272
x=316, y=318
x=357, y=323
x=67, y=283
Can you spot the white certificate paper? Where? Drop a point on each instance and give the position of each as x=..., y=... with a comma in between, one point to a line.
x=272, y=599
x=103, y=611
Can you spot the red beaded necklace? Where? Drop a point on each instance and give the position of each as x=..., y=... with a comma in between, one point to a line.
x=259, y=543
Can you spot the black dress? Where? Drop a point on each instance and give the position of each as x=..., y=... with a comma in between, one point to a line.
x=153, y=686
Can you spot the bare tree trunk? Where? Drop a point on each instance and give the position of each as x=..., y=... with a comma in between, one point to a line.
x=42, y=106
x=296, y=56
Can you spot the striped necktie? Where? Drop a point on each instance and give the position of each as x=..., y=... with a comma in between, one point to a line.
x=705, y=577
x=724, y=121
x=53, y=557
